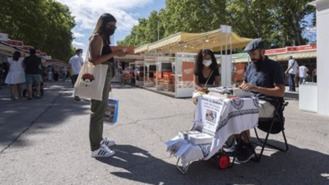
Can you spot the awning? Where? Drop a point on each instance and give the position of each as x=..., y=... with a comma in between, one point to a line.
x=142, y=48
x=244, y=57
x=6, y=50
x=173, y=41
x=56, y=62
x=216, y=40
x=296, y=55
x=193, y=42
x=130, y=57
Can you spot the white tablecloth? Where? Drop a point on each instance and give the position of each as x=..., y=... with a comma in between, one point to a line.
x=220, y=118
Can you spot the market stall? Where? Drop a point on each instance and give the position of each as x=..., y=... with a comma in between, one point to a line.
x=165, y=74
x=176, y=57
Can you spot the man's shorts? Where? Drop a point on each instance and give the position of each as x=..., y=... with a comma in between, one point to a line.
x=266, y=109
x=33, y=79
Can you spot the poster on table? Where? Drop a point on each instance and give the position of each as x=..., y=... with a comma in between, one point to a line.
x=208, y=113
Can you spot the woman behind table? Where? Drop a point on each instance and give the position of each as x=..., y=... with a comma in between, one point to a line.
x=101, y=54
x=206, y=70
x=16, y=75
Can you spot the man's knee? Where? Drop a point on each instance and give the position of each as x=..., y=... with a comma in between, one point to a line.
x=266, y=109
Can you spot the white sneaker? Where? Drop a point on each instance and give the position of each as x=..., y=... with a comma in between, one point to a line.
x=103, y=151
x=108, y=142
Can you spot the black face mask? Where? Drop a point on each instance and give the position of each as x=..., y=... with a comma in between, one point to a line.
x=110, y=31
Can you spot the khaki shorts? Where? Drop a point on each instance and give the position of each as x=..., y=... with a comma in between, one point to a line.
x=266, y=109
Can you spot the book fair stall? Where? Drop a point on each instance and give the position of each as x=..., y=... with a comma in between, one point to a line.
x=165, y=74
x=176, y=57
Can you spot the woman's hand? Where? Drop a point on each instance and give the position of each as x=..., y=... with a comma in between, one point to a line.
x=202, y=89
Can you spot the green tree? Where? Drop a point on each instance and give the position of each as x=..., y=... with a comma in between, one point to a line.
x=278, y=21
x=45, y=24
x=193, y=15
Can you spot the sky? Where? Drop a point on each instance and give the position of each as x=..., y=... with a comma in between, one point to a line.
x=127, y=13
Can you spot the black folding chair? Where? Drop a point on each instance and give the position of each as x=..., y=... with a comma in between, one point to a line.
x=273, y=125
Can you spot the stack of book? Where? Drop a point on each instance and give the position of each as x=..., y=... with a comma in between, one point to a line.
x=196, y=137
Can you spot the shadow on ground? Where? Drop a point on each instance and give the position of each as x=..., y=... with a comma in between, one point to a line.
x=16, y=117
x=297, y=166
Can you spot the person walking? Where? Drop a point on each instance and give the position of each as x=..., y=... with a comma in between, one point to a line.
x=100, y=53
x=32, y=65
x=76, y=62
x=292, y=70
x=302, y=73
x=16, y=75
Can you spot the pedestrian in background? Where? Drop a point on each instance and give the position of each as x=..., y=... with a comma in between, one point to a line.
x=16, y=75
x=32, y=65
x=302, y=73
x=292, y=70
x=76, y=62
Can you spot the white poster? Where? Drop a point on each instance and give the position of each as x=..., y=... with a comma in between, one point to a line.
x=210, y=111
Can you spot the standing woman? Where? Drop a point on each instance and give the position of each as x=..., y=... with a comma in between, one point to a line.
x=100, y=53
x=16, y=75
x=206, y=71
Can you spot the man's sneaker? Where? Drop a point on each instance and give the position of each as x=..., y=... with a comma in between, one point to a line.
x=230, y=145
x=77, y=98
x=108, y=142
x=102, y=151
x=245, y=152
x=229, y=148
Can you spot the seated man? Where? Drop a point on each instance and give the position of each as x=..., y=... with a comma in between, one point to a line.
x=265, y=78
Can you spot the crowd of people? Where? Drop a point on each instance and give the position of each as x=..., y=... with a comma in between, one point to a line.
x=25, y=73
x=25, y=76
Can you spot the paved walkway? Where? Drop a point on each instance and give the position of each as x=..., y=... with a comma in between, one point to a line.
x=46, y=142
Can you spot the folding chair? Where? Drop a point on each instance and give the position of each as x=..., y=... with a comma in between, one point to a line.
x=273, y=125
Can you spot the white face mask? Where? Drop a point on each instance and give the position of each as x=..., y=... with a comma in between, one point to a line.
x=206, y=63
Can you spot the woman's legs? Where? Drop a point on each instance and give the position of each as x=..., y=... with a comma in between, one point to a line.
x=13, y=91
x=97, y=116
x=19, y=90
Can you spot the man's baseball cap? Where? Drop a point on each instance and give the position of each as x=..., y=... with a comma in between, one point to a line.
x=254, y=44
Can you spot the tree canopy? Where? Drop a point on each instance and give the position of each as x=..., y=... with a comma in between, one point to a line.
x=280, y=22
x=45, y=24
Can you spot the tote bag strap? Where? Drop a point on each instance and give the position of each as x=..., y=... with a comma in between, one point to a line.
x=208, y=78
x=88, y=51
